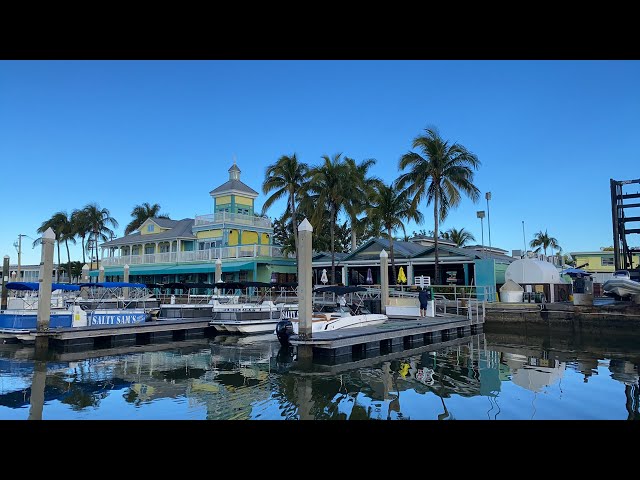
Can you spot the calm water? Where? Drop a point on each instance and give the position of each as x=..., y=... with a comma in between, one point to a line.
x=490, y=376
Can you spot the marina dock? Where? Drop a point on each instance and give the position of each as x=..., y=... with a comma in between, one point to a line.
x=343, y=345
x=111, y=336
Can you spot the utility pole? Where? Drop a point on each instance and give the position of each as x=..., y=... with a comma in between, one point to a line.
x=488, y=197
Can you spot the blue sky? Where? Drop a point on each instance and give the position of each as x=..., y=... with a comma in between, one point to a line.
x=549, y=134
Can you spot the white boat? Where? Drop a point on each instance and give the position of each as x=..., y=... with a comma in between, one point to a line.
x=330, y=317
x=621, y=285
x=20, y=321
x=251, y=318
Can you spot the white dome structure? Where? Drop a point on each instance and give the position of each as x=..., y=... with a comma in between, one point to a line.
x=528, y=271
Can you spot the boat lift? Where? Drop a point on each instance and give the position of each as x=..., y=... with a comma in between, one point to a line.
x=623, y=254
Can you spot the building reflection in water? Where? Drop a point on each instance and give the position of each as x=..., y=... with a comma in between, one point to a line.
x=233, y=377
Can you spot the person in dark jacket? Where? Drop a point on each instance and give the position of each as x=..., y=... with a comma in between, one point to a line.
x=423, y=297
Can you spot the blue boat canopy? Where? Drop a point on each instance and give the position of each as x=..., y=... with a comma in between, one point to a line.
x=35, y=286
x=574, y=272
x=113, y=285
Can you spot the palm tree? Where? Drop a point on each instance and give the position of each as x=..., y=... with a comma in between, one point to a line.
x=286, y=177
x=459, y=237
x=545, y=241
x=439, y=175
x=99, y=218
x=391, y=208
x=357, y=196
x=82, y=229
x=141, y=213
x=327, y=188
x=60, y=224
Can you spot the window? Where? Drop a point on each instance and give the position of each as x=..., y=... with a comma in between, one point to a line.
x=607, y=261
x=150, y=227
x=243, y=211
x=209, y=244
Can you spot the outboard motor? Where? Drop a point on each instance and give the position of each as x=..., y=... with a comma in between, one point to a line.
x=284, y=329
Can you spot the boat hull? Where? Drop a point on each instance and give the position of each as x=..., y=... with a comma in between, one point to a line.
x=623, y=287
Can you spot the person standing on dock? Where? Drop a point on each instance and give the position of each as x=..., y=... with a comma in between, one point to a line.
x=423, y=297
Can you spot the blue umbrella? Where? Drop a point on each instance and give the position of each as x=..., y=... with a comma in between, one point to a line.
x=574, y=272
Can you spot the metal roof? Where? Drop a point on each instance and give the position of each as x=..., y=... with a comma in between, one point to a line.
x=181, y=229
x=233, y=185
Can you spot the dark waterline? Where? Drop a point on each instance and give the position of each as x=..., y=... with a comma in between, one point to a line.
x=489, y=376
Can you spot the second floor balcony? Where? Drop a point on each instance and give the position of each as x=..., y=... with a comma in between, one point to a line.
x=235, y=218
x=209, y=255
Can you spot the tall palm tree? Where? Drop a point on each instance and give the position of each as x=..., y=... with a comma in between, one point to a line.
x=327, y=188
x=357, y=196
x=82, y=229
x=545, y=241
x=439, y=175
x=141, y=213
x=391, y=208
x=59, y=223
x=99, y=219
x=286, y=177
x=459, y=237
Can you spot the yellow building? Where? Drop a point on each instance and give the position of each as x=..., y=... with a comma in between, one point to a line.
x=600, y=263
x=165, y=250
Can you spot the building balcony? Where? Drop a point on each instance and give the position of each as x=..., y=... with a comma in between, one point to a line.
x=210, y=255
x=235, y=218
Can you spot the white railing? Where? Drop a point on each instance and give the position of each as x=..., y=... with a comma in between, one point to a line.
x=239, y=218
x=240, y=251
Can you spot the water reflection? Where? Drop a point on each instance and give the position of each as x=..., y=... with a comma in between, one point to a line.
x=484, y=376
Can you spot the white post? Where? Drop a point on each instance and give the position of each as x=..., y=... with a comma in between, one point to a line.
x=85, y=279
x=125, y=290
x=410, y=274
x=384, y=280
x=101, y=274
x=45, y=280
x=345, y=280
x=305, y=288
x=218, y=270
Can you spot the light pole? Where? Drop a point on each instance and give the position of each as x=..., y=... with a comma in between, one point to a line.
x=18, y=246
x=480, y=215
x=488, y=197
x=524, y=239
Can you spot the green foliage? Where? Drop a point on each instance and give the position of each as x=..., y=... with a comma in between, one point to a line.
x=141, y=213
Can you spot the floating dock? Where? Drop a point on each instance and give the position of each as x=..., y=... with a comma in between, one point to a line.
x=338, y=346
x=111, y=336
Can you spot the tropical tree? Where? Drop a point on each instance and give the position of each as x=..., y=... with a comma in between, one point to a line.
x=141, y=213
x=326, y=189
x=357, y=196
x=459, y=237
x=438, y=174
x=82, y=228
x=392, y=208
x=99, y=219
x=286, y=177
x=61, y=226
x=544, y=241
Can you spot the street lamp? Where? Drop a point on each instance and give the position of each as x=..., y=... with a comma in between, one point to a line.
x=488, y=197
x=480, y=215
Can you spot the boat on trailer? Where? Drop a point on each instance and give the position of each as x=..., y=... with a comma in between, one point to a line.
x=621, y=285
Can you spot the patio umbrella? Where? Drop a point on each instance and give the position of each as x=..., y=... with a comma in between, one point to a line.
x=402, y=278
x=574, y=272
x=369, y=276
x=324, y=278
